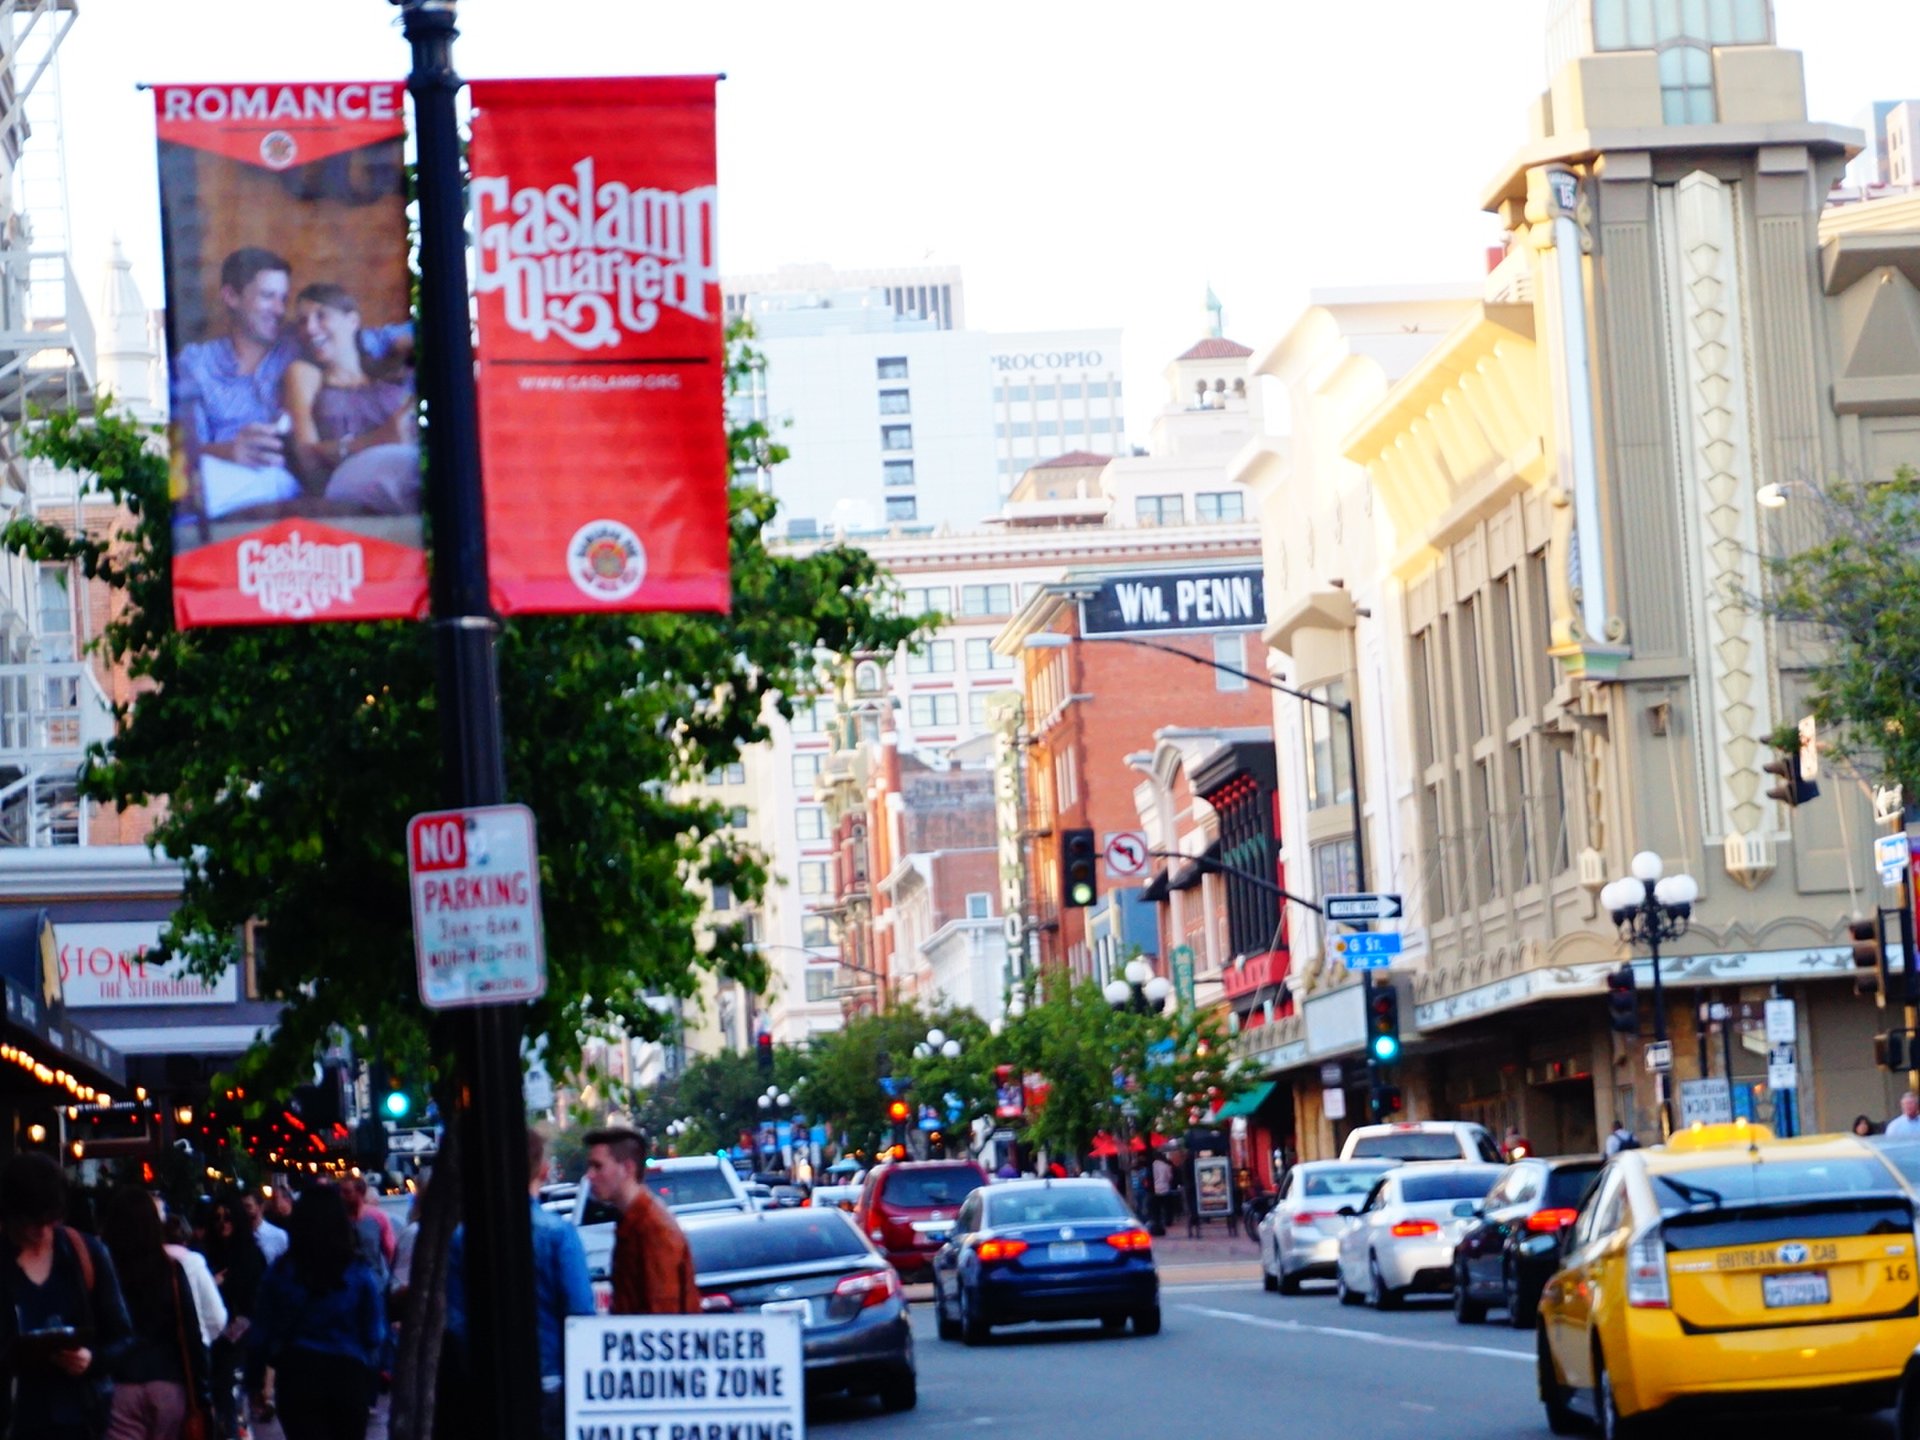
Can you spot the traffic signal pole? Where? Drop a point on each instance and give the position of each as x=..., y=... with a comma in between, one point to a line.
x=487, y=1090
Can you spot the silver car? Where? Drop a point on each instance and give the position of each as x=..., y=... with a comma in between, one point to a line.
x=1401, y=1240
x=1300, y=1236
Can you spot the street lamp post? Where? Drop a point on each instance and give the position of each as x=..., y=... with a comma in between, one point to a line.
x=1651, y=908
x=1136, y=990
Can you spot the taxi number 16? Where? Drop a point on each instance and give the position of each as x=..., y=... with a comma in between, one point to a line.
x=1902, y=1271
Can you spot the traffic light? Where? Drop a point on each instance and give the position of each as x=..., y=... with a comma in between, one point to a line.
x=1387, y=1102
x=1623, y=1001
x=1078, y=865
x=1383, y=1024
x=763, y=1049
x=396, y=1105
x=899, y=1112
x=1869, y=958
x=1794, y=787
x=1894, y=1050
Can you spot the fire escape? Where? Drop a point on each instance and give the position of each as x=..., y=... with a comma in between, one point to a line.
x=51, y=704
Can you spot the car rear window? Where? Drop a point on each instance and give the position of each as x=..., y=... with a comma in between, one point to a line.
x=1447, y=1185
x=754, y=1244
x=1341, y=1182
x=1717, y=1187
x=1567, y=1185
x=1904, y=1157
x=923, y=1189
x=1044, y=1207
x=689, y=1187
x=1408, y=1145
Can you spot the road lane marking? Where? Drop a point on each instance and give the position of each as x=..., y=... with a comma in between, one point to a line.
x=1346, y=1333
x=1416, y=1405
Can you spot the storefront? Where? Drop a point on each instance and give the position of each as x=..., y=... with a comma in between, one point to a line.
x=49, y=1063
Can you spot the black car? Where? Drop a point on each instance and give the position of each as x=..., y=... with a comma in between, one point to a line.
x=1045, y=1250
x=1513, y=1246
x=814, y=1263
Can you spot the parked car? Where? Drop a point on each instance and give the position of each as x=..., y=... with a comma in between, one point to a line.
x=1728, y=1266
x=685, y=1184
x=787, y=1197
x=1418, y=1140
x=853, y=1312
x=1300, y=1237
x=760, y=1195
x=836, y=1197
x=1045, y=1250
x=1401, y=1239
x=907, y=1208
x=1507, y=1254
x=559, y=1197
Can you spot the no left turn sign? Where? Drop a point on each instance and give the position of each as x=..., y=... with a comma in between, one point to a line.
x=1126, y=854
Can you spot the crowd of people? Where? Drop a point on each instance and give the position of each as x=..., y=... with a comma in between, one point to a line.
x=150, y=1325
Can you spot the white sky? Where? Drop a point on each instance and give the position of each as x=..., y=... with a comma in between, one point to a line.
x=1087, y=162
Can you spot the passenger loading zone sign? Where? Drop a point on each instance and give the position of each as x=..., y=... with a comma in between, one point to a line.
x=687, y=1377
x=475, y=876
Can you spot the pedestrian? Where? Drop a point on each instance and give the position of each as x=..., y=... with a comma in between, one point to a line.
x=561, y=1287
x=238, y=1267
x=1515, y=1146
x=160, y=1380
x=321, y=1321
x=1163, y=1185
x=372, y=1230
x=207, y=1304
x=271, y=1239
x=65, y=1324
x=652, y=1267
x=1907, y=1122
x=1007, y=1171
x=404, y=1242
x=1862, y=1125
x=1621, y=1138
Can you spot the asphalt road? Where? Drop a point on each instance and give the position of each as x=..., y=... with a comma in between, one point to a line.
x=1235, y=1363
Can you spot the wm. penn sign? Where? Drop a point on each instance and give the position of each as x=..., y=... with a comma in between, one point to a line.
x=1161, y=602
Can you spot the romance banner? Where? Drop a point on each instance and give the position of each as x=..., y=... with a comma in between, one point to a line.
x=601, y=352
x=294, y=429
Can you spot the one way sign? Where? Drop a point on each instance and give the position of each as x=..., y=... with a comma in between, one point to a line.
x=1361, y=907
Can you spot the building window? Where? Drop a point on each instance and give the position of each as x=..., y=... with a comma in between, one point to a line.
x=806, y=768
x=1220, y=505
x=986, y=599
x=1160, y=510
x=1334, y=869
x=977, y=707
x=896, y=437
x=979, y=905
x=813, y=877
x=1230, y=650
x=737, y=773
x=1329, y=777
x=893, y=367
x=895, y=473
x=902, y=507
x=1473, y=677
x=722, y=898
x=815, y=932
x=820, y=983
x=810, y=822
x=1686, y=85
x=934, y=711
x=931, y=657
x=983, y=659
x=1652, y=24
x=931, y=600
x=894, y=402
x=737, y=819
x=810, y=716
x=869, y=678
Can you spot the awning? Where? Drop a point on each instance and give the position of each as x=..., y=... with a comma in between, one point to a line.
x=1245, y=1104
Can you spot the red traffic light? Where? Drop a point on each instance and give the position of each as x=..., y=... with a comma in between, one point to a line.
x=898, y=1112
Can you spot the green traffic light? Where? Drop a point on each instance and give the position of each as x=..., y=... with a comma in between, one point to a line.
x=1082, y=893
x=1386, y=1049
x=397, y=1104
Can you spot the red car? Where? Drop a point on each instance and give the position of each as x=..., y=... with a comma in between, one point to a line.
x=907, y=1209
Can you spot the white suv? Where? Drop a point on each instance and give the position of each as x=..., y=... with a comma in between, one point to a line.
x=1417, y=1140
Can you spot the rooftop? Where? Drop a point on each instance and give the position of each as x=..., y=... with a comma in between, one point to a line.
x=1216, y=348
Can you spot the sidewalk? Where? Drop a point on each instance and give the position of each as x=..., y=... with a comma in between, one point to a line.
x=376, y=1427
x=1222, y=1252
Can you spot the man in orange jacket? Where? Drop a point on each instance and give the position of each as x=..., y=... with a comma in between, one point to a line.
x=652, y=1267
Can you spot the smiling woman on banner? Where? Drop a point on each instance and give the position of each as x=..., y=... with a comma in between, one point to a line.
x=355, y=433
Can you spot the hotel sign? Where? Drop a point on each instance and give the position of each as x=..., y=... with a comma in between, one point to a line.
x=1172, y=602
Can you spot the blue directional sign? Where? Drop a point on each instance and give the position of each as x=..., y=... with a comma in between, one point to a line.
x=1369, y=950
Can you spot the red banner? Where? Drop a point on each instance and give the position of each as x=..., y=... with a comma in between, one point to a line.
x=601, y=353
x=295, y=451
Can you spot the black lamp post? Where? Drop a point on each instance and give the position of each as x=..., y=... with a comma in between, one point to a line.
x=1651, y=908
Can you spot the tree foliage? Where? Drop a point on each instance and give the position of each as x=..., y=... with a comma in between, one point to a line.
x=288, y=759
x=1853, y=591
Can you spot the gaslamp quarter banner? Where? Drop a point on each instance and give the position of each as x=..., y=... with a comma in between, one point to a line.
x=601, y=349
x=294, y=428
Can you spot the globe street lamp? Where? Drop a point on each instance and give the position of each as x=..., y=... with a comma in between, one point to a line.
x=938, y=1042
x=1650, y=908
x=1140, y=991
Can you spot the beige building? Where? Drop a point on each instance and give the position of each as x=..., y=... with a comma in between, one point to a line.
x=1546, y=625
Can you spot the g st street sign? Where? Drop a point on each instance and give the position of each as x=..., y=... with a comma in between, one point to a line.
x=1363, y=906
x=1371, y=950
x=1172, y=602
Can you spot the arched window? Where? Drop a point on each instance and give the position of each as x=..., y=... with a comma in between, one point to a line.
x=869, y=678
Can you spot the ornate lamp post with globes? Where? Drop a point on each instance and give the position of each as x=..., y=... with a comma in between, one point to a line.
x=1651, y=908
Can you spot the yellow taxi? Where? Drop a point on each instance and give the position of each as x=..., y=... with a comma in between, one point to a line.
x=1728, y=1265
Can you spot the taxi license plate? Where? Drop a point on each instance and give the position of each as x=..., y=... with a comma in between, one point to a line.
x=1798, y=1287
x=1067, y=1250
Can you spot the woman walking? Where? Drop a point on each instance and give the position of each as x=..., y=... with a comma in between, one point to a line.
x=238, y=1267
x=160, y=1379
x=320, y=1322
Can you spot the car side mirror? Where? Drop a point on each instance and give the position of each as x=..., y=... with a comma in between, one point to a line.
x=1348, y=1211
x=1467, y=1209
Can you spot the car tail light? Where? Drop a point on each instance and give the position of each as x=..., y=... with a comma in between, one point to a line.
x=1550, y=1221
x=1647, y=1271
x=1308, y=1218
x=1131, y=1240
x=1000, y=1249
x=1408, y=1229
x=711, y=1303
x=873, y=1287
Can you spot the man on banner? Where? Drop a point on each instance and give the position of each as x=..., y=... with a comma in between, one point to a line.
x=231, y=391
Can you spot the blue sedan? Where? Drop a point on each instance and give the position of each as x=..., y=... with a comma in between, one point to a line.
x=1045, y=1250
